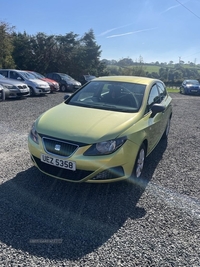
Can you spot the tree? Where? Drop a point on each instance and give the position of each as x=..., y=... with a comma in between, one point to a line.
x=22, y=52
x=66, y=47
x=6, y=46
x=125, y=62
x=87, y=57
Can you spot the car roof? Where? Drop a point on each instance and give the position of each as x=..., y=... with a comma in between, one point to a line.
x=192, y=80
x=131, y=79
x=15, y=70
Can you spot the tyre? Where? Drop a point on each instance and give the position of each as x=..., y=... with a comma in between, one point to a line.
x=166, y=132
x=32, y=93
x=2, y=95
x=62, y=88
x=139, y=163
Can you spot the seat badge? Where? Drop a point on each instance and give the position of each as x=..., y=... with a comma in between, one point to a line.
x=57, y=147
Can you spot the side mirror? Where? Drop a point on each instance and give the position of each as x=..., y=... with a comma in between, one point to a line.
x=157, y=108
x=66, y=97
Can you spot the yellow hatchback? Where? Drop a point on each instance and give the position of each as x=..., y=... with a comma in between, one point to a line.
x=104, y=131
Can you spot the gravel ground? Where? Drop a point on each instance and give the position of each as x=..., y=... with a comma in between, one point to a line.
x=47, y=222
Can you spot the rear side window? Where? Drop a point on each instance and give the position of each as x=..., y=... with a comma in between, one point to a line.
x=162, y=91
x=49, y=75
x=56, y=77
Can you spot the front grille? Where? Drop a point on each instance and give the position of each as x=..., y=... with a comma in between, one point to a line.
x=62, y=173
x=22, y=86
x=59, y=147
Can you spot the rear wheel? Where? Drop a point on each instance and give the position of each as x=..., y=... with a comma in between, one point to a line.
x=139, y=163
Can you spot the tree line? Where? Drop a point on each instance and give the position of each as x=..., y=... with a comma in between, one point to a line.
x=44, y=53
x=76, y=56
x=171, y=74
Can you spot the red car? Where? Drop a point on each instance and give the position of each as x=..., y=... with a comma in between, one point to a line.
x=53, y=84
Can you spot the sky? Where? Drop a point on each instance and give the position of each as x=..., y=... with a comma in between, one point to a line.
x=151, y=30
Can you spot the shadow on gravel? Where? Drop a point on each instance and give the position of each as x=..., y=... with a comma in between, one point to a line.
x=54, y=219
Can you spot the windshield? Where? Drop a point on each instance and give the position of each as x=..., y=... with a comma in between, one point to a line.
x=192, y=82
x=65, y=76
x=2, y=77
x=27, y=75
x=116, y=96
x=37, y=75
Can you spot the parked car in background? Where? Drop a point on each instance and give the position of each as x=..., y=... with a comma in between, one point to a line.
x=104, y=131
x=14, y=89
x=54, y=86
x=2, y=93
x=36, y=86
x=86, y=78
x=66, y=82
x=190, y=87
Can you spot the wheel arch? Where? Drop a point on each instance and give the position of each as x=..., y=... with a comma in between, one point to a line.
x=145, y=142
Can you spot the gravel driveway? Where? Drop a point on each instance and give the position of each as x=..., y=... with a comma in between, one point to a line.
x=47, y=222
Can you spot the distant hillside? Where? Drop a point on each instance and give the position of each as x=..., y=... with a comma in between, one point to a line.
x=172, y=74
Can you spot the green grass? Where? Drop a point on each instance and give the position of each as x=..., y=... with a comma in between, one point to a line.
x=173, y=90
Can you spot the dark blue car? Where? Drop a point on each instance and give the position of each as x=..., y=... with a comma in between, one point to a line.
x=190, y=87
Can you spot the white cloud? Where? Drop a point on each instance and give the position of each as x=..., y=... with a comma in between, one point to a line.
x=128, y=33
x=113, y=29
x=170, y=8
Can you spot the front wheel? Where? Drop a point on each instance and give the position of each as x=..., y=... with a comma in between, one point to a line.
x=139, y=163
x=32, y=93
x=62, y=88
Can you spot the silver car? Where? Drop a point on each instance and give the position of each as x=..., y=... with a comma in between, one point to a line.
x=14, y=89
x=36, y=86
x=2, y=93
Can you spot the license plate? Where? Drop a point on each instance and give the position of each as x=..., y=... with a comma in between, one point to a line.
x=23, y=90
x=194, y=90
x=64, y=164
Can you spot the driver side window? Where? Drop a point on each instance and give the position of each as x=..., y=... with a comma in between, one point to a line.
x=154, y=97
x=14, y=75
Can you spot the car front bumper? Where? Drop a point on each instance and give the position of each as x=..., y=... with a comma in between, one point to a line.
x=94, y=169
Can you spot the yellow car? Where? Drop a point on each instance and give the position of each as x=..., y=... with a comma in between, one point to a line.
x=103, y=132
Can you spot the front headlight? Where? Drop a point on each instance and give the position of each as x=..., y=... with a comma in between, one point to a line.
x=106, y=147
x=10, y=86
x=33, y=134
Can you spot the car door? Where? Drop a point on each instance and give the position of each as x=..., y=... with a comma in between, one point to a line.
x=4, y=73
x=155, y=123
x=15, y=75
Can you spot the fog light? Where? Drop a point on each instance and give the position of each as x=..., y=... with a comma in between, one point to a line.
x=102, y=176
x=112, y=173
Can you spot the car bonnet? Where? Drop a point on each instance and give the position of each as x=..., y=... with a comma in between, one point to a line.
x=84, y=125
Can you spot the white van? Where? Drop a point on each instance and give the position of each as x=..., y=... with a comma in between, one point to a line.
x=37, y=87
